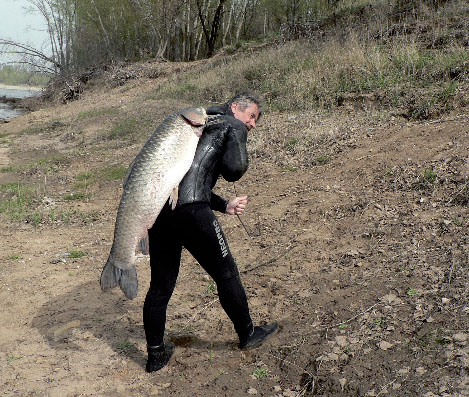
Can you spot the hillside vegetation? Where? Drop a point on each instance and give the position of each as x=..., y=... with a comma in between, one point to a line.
x=408, y=59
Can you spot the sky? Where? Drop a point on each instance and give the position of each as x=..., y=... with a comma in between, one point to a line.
x=22, y=26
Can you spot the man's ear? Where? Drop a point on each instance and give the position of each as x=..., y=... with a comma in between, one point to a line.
x=234, y=106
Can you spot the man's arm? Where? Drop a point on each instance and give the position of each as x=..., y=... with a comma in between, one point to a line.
x=218, y=203
x=235, y=157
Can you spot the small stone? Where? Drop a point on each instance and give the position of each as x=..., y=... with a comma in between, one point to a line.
x=277, y=389
x=420, y=370
x=445, y=301
x=333, y=356
x=252, y=391
x=403, y=371
x=155, y=391
x=289, y=393
x=389, y=298
x=396, y=385
x=383, y=345
x=341, y=340
x=342, y=382
x=460, y=337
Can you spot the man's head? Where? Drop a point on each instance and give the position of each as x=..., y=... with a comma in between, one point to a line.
x=246, y=108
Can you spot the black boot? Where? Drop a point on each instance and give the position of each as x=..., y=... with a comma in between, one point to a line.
x=258, y=335
x=158, y=356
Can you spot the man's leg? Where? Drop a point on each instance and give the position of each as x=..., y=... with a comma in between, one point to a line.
x=165, y=255
x=204, y=239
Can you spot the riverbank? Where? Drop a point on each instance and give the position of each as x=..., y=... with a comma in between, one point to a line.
x=11, y=98
x=20, y=87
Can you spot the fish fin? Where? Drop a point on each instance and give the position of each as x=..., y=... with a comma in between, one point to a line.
x=109, y=276
x=128, y=282
x=144, y=244
x=173, y=199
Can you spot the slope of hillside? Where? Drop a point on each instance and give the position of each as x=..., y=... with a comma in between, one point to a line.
x=357, y=245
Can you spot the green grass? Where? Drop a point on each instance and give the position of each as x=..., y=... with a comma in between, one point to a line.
x=321, y=160
x=16, y=200
x=211, y=288
x=12, y=357
x=76, y=196
x=130, y=126
x=84, y=180
x=114, y=172
x=260, y=372
x=74, y=254
x=125, y=346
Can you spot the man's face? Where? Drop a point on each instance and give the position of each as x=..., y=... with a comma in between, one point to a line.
x=248, y=116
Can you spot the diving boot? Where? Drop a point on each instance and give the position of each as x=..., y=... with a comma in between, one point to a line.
x=257, y=336
x=158, y=356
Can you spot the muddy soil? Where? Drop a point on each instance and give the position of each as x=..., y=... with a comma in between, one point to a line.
x=357, y=244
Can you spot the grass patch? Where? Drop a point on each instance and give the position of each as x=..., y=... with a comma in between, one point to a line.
x=125, y=346
x=260, y=372
x=16, y=199
x=75, y=196
x=12, y=357
x=76, y=254
x=114, y=172
x=130, y=126
x=321, y=160
x=47, y=127
x=84, y=180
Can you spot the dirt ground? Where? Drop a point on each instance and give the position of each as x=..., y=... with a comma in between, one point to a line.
x=357, y=246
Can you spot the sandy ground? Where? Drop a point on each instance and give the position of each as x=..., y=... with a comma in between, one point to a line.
x=361, y=257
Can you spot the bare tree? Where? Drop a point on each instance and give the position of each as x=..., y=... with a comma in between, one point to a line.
x=212, y=35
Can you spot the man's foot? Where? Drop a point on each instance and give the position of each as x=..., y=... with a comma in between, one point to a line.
x=258, y=336
x=158, y=356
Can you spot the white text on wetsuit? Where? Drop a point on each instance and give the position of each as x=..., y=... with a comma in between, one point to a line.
x=221, y=240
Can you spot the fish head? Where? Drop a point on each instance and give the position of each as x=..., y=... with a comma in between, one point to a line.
x=196, y=117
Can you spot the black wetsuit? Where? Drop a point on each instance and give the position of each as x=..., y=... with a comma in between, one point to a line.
x=193, y=225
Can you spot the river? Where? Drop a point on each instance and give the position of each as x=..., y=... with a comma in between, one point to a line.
x=7, y=111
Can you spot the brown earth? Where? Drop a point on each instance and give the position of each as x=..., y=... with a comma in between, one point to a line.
x=358, y=247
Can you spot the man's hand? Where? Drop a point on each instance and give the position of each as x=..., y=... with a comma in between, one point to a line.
x=236, y=205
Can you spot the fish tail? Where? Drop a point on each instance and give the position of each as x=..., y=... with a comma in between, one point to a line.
x=112, y=276
x=109, y=276
x=128, y=282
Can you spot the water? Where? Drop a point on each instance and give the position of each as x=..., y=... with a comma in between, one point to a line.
x=6, y=110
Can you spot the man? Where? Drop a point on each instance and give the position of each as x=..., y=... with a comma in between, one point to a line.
x=193, y=225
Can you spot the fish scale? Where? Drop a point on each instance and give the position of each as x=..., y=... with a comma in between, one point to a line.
x=154, y=174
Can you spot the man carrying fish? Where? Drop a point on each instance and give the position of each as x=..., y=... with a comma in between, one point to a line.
x=187, y=220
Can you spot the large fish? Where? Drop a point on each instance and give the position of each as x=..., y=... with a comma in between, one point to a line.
x=153, y=177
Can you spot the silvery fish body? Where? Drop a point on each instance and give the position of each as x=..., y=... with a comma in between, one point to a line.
x=152, y=178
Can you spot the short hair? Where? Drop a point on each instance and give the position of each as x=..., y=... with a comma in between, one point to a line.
x=245, y=99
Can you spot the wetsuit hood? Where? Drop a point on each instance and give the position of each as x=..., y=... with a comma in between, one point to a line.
x=220, y=109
